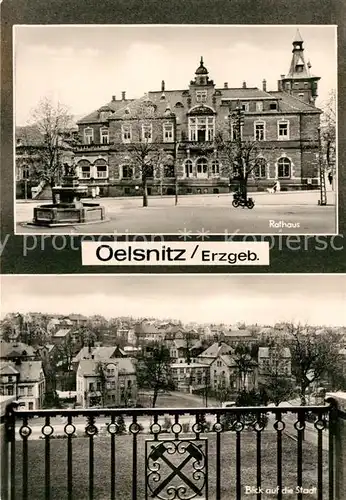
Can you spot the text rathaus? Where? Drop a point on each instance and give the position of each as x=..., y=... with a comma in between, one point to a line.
x=180, y=128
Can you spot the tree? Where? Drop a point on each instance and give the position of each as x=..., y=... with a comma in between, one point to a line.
x=243, y=358
x=328, y=133
x=144, y=151
x=315, y=357
x=101, y=372
x=242, y=158
x=52, y=122
x=154, y=370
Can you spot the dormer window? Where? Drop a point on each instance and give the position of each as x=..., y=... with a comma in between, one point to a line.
x=88, y=136
x=245, y=106
x=273, y=105
x=259, y=106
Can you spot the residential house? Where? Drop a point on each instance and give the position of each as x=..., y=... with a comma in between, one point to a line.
x=189, y=377
x=110, y=382
x=274, y=361
x=26, y=381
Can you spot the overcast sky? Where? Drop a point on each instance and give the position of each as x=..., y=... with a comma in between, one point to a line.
x=83, y=66
x=263, y=299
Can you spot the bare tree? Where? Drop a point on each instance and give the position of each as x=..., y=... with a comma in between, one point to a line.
x=278, y=383
x=328, y=134
x=315, y=356
x=154, y=370
x=244, y=360
x=242, y=158
x=52, y=121
x=145, y=148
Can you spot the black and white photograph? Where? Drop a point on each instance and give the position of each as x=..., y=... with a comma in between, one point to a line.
x=173, y=387
x=175, y=129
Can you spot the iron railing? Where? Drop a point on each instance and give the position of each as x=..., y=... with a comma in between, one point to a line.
x=205, y=453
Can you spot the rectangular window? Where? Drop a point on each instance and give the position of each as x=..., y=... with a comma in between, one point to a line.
x=201, y=95
x=283, y=130
x=259, y=106
x=10, y=378
x=168, y=132
x=273, y=105
x=88, y=136
x=104, y=136
x=30, y=393
x=91, y=386
x=147, y=133
x=10, y=390
x=126, y=133
x=127, y=172
x=85, y=171
x=259, y=131
x=31, y=405
x=21, y=391
x=102, y=171
x=245, y=106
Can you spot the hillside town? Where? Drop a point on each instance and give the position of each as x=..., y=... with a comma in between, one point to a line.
x=83, y=362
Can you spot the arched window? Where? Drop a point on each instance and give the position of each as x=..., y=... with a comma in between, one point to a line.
x=101, y=168
x=188, y=168
x=84, y=169
x=260, y=170
x=284, y=168
x=202, y=167
x=215, y=167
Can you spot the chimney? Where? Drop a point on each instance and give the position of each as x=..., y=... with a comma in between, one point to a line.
x=264, y=85
x=114, y=98
x=244, y=85
x=162, y=86
x=225, y=85
x=123, y=95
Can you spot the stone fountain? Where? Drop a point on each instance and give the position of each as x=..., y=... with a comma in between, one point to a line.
x=70, y=209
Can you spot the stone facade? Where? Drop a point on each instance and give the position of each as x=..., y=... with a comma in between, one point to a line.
x=179, y=130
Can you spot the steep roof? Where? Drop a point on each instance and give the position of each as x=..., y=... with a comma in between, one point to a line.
x=290, y=103
x=215, y=350
x=99, y=353
x=62, y=332
x=145, y=328
x=88, y=367
x=15, y=349
x=8, y=369
x=112, y=105
x=30, y=371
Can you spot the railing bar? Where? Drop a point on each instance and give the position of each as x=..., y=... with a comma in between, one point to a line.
x=319, y=465
x=91, y=467
x=47, y=462
x=331, y=456
x=25, y=462
x=238, y=465
x=258, y=460
x=279, y=457
x=301, y=422
x=12, y=434
x=113, y=461
x=134, y=461
x=69, y=461
x=218, y=461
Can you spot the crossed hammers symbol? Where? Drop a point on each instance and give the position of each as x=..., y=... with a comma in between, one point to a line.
x=193, y=451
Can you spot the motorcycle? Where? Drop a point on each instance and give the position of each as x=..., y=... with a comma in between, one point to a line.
x=240, y=201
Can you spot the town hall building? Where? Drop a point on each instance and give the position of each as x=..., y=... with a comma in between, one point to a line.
x=175, y=136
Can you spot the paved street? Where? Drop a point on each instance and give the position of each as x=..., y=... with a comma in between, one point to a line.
x=280, y=213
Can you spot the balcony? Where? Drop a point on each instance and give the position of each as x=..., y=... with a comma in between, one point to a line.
x=204, y=453
x=91, y=147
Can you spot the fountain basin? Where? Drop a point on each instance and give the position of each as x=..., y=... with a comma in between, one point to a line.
x=61, y=214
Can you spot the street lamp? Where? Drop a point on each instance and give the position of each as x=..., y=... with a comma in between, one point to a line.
x=323, y=190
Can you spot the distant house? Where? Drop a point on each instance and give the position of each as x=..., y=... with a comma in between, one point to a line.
x=189, y=377
x=26, y=381
x=77, y=319
x=13, y=351
x=98, y=353
x=147, y=332
x=61, y=335
x=109, y=382
x=274, y=361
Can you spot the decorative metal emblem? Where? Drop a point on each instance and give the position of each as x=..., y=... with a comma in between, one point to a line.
x=176, y=469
